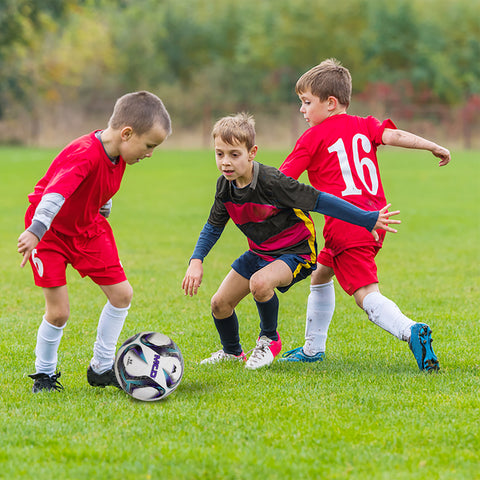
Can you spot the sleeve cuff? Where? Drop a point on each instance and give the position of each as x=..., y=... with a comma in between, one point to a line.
x=38, y=229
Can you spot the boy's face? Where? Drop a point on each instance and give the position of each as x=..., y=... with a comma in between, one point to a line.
x=235, y=161
x=314, y=110
x=134, y=147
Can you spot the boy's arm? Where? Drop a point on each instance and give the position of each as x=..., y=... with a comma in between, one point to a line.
x=49, y=206
x=297, y=162
x=206, y=240
x=401, y=138
x=336, y=207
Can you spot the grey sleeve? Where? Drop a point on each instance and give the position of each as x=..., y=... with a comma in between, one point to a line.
x=49, y=206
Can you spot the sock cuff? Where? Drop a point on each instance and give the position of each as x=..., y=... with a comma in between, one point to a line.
x=48, y=324
x=273, y=299
x=117, y=309
x=320, y=286
x=371, y=298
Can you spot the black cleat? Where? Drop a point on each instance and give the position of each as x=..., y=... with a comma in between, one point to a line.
x=102, y=379
x=44, y=382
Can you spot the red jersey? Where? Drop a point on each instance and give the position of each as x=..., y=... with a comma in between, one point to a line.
x=86, y=177
x=340, y=157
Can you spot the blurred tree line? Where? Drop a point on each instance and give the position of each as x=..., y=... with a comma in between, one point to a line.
x=211, y=57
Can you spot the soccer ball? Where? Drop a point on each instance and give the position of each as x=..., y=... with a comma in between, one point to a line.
x=149, y=366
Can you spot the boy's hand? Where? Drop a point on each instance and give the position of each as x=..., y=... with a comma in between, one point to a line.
x=193, y=277
x=106, y=209
x=383, y=220
x=443, y=154
x=27, y=241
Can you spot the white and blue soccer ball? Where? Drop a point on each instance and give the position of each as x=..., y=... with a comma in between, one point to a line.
x=149, y=366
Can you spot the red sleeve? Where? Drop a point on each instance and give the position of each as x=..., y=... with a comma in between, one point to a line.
x=298, y=161
x=70, y=172
x=376, y=129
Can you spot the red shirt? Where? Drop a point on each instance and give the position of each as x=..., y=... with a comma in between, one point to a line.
x=340, y=157
x=86, y=177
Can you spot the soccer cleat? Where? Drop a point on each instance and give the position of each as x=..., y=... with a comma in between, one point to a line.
x=298, y=355
x=46, y=383
x=264, y=353
x=420, y=344
x=104, y=379
x=221, y=356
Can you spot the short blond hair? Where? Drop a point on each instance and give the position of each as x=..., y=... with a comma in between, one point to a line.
x=329, y=78
x=236, y=129
x=141, y=111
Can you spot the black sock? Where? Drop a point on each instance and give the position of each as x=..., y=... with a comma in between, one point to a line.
x=268, y=312
x=228, y=330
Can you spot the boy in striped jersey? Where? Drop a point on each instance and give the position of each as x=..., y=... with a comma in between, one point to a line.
x=272, y=211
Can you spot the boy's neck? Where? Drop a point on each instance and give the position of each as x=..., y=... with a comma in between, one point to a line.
x=340, y=110
x=110, y=141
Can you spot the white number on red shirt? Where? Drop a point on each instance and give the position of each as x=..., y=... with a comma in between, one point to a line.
x=350, y=188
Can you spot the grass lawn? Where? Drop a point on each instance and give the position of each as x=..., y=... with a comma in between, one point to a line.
x=364, y=413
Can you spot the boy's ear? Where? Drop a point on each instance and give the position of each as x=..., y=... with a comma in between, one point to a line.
x=332, y=102
x=126, y=133
x=253, y=152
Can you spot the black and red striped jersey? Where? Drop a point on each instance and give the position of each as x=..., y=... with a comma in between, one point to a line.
x=272, y=212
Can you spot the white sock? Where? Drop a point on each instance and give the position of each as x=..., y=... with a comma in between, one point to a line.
x=109, y=328
x=320, y=308
x=48, y=340
x=385, y=313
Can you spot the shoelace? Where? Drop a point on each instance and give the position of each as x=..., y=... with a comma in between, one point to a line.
x=52, y=381
x=261, y=347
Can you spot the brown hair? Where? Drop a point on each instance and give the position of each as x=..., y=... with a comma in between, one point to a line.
x=140, y=110
x=236, y=129
x=329, y=78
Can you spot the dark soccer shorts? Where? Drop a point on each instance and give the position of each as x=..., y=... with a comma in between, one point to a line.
x=249, y=263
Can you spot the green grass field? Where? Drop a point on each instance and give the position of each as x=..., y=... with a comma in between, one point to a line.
x=364, y=413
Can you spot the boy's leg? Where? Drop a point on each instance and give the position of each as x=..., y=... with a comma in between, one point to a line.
x=385, y=313
x=48, y=338
x=110, y=324
x=268, y=313
x=232, y=290
x=320, y=308
x=263, y=284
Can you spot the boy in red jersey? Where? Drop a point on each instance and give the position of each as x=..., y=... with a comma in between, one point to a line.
x=272, y=211
x=66, y=224
x=339, y=154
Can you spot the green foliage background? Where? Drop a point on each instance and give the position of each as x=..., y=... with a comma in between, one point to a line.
x=222, y=55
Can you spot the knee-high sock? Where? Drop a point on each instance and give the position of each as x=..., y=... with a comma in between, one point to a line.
x=109, y=328
x=320, y=308
x=385, y=313
x=268, y=312
x=227, y=329
x=46, y=351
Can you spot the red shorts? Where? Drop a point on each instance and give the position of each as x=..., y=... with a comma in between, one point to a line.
x=92, y=254
x=354, y=267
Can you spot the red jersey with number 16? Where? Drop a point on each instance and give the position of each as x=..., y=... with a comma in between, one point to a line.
x=340, y=156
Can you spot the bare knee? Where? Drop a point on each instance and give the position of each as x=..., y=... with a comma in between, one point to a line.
x=220, y=308
x=57, y=305
x=121, y=296
x=321, y=275
x=125, y=298
x=360, y=294
x=261, y=289
x=57, y=314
